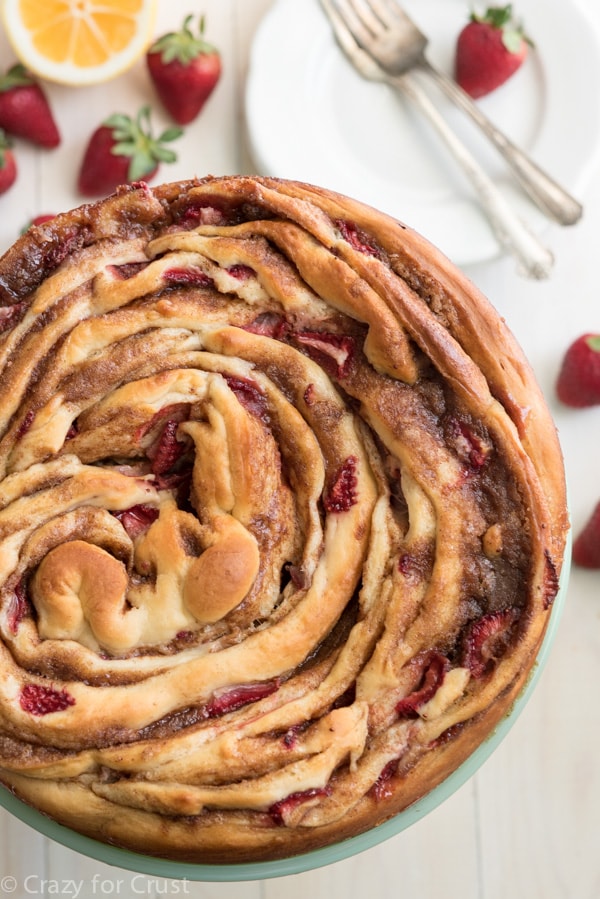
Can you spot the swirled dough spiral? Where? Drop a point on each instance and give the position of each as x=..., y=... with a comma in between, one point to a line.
x=282, y=516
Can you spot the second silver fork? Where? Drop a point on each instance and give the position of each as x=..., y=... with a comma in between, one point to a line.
x=535, y=260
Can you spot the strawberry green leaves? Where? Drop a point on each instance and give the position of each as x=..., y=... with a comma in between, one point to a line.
x=133, y=139
x=123, y=150
x=183, y=46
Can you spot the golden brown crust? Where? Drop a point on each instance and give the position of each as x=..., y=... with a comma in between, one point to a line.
x=282, y=516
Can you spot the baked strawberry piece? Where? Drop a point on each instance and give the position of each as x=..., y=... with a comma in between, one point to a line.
x=185, y=70
x=489, y=50
x=578, y=382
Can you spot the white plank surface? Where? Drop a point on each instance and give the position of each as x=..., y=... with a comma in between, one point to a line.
x=526, y=826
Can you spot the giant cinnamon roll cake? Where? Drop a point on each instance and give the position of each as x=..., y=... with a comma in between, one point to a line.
x=282, y=517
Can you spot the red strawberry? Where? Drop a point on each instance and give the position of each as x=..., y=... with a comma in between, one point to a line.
x=586, y=548
x=185, y=70
x=123, y=150
x=24, y=108
x=38, y=220
x=8, y=166
x=578, y=382
x=489, y=49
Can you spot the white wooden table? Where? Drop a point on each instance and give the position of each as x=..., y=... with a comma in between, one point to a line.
x=526, y=826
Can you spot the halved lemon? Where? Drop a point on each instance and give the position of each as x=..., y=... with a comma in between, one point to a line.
x=79, y=42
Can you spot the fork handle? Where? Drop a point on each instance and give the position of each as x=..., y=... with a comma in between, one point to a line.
x=545, y=192
x=534, y=259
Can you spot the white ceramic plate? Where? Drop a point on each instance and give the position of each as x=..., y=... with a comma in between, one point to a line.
x=311, y=117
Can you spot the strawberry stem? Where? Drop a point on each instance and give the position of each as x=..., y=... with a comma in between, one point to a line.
x=16, y=76
x=496, y=16
x=134, y=138
x=183, y=46
x=501, y=17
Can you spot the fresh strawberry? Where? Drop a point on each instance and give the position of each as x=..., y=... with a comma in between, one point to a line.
x=586, y=547
x=24, y=108
x=8, y=166
x=123, y=150
x=185, y=70
x=489, y=49
x=37, y=220
x=43, y=217
x=578, y=382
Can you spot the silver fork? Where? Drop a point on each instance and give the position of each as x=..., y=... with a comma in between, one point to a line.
x=535, y=260
x=385, y=31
